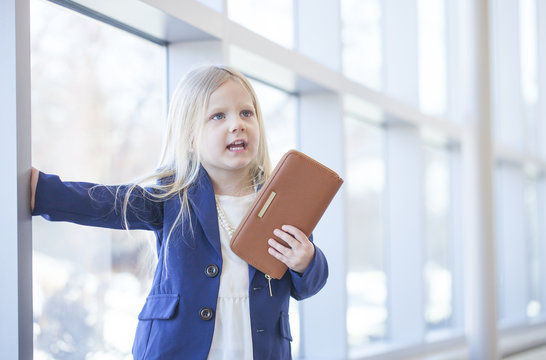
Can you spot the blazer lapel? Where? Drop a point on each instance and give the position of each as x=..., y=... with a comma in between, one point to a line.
x=251, y=273
x=202, y=200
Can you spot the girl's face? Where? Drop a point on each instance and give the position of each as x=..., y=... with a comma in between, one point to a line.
x=230, y=138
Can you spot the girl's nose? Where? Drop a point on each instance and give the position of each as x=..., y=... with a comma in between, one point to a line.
x=237, y=125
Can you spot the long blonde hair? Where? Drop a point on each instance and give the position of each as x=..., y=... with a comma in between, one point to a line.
x=180, y=163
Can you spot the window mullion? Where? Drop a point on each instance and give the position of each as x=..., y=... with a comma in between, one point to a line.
x=16, y=256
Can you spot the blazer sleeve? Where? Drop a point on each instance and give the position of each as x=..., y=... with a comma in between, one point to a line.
x=95, y=205
x=313, y=279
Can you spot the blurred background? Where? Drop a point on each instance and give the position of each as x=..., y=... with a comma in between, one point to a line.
x=434, y=120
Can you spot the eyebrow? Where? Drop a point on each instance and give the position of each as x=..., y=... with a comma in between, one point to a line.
x=218, y=109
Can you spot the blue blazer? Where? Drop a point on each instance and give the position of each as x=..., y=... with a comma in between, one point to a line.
x=177, y=320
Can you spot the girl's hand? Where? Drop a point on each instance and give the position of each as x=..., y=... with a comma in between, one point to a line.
x=300, y=253
x=33, y=183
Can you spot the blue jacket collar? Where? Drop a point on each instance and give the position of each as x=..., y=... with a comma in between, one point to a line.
x=203, y=203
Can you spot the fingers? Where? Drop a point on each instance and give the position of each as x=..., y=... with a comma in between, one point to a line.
x=34, y=173
x=286, y=237
x=295, y=232
x=299, y=252
x=278, y=251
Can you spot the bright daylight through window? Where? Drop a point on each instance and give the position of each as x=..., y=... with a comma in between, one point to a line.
x=89, y=283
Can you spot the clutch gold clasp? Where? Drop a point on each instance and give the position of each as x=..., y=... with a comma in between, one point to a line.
x=267, y=203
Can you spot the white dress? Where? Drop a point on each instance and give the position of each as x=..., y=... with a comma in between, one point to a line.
x=232, y=338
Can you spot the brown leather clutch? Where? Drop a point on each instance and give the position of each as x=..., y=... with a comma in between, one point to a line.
x=297, y=193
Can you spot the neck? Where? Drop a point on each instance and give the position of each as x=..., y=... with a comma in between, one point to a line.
x=231, y=184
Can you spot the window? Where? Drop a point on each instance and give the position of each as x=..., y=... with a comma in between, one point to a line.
x=279, y=110
x=361, y=41
x=366, y=279
x=98, y=103
x=518, y=195
x=529, y=72
x=438, y=250
x=533, y=214
x=512, y=247
x=404, y=212
x=432, y=56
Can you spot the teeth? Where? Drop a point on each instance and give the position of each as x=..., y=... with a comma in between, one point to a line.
x=237, y=145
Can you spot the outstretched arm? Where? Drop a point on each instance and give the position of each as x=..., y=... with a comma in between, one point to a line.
x=95, y=205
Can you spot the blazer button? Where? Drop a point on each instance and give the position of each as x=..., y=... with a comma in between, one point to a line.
x=211, y=271
x=205, y=313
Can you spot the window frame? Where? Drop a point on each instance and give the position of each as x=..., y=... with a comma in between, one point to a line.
x=216, y=34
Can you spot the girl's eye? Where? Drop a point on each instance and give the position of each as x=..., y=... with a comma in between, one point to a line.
x=218, y=116
x=246, y=113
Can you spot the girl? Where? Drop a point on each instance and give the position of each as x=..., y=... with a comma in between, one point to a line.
x=205, y=302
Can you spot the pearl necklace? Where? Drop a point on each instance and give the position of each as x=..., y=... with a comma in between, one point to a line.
x=223, y=220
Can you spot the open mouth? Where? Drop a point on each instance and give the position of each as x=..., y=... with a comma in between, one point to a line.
x=237, y=145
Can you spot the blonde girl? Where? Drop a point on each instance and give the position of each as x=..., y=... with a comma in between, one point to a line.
x=205, y=302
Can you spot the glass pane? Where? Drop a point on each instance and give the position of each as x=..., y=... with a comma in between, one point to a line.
x=271, y=19
x=279, y=110
x=528, y=48
x=437, y=271
x=535, y=307
x=366, y=280
x=512, y=245
x=361, y=41
x=432, y=56
x=98, y=101
x=529, y=72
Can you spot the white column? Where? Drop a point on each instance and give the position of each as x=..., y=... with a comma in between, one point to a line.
x=323, y=322
x=477, y=158
x=16, y=255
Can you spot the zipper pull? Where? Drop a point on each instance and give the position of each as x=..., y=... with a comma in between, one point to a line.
x=269, y=281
